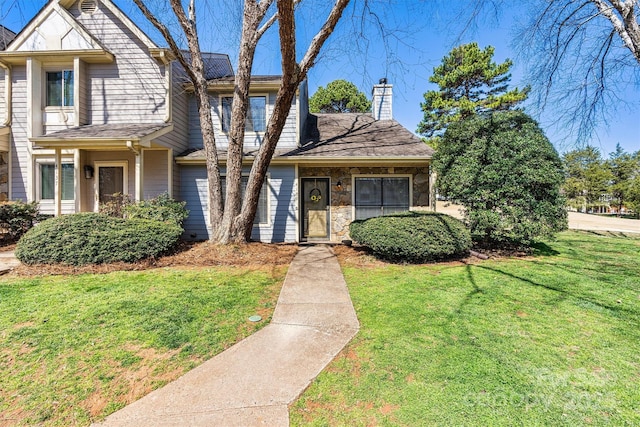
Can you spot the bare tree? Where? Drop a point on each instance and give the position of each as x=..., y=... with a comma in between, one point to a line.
x=233, y=222
x=581, y=54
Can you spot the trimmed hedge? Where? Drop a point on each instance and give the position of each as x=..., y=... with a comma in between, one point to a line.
x=162, y=208
x=94, y=238
x=413, y=236
x=16, y=218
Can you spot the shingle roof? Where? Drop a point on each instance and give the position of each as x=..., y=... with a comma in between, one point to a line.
x=348, y=136
x=6, y=36
x=108, y=131
x=358, y=135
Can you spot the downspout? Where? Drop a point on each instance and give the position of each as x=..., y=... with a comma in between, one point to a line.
x=7, y=93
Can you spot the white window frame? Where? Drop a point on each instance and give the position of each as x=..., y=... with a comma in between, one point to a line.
x=96, y=175
x=48, y=161
x=266, y=111
x=45, y=89
x=381, y=175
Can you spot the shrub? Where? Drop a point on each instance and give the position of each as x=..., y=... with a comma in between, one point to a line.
x=507, y=175
x=115, y=205
x=16, y=218
x=94, y=238
x=162, y=208
x=413, y=236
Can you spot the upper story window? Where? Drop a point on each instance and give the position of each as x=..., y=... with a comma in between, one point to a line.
x=60, y=88
x=256, y=116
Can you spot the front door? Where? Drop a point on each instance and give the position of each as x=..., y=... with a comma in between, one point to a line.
x=315, y=207
x=111, y=181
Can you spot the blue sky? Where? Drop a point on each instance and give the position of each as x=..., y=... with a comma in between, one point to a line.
x=418, y=34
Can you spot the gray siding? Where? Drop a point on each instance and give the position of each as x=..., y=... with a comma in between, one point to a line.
x=19, y=142
x=282, y=204
x=178, y=140
x=193, y=190
x=131, y=88
x=288, y=138
x=155, y=173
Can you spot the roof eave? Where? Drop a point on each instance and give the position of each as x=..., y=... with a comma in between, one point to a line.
x=108, y=143
x=324, y=160
x=94, y=56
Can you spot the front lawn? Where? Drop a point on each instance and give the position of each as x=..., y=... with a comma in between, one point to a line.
x=552, y=339
x=73, y=349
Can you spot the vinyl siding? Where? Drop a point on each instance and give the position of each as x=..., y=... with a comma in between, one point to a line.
x=132, y=88
x=178, y=139
x=282, y=204
x=288, y=138
x=19, y=142
x=155, y=173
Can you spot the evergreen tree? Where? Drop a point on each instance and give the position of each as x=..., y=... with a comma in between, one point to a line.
x=340, y=96
x=469, y=83
x=507, y=175
x=587, y=177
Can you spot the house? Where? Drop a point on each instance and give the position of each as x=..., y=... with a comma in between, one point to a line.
x=91, y=107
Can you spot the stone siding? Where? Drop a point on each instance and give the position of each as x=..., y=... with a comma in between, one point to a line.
x=342, y=197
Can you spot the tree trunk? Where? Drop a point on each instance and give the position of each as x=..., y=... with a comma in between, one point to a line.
x=292, y=75
x=227, y=230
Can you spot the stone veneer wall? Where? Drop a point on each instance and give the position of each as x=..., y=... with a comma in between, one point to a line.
x=4, y=176
x=341, y=198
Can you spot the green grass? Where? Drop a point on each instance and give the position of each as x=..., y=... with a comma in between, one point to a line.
x=552, y=339
x=75, y=348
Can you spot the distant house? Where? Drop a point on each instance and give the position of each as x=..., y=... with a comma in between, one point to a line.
x=91, y=106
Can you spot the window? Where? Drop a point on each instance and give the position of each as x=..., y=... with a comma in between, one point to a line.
x=263, y=207
x=47, y=181
x=375, y=196
x=256, y=116
x=60, y=88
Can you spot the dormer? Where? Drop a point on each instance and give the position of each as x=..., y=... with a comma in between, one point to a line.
x=55, y=49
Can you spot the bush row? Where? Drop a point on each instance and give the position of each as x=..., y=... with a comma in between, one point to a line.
x=94, y=238
x=16, y=218
x=413, y=236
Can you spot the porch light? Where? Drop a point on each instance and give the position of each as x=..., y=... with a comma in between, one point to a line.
x=88, y=171
x=339, y=185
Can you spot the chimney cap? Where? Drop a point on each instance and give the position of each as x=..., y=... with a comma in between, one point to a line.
x=383, y=81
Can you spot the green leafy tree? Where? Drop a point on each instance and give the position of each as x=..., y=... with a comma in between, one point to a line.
x=624, y=169
x=469, y=83
x=340, y=96
x=633, y=197
x=507, y=175
x=587, y=177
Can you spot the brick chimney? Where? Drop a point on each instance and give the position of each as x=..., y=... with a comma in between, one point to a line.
x=382, y=100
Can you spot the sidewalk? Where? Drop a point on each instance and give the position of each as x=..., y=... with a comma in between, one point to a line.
x=8, y=262
x=253, y=382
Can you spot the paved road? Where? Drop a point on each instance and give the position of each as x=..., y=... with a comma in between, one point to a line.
x=577, y=221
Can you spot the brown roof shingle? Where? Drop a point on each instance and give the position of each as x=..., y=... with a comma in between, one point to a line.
x=359, y=135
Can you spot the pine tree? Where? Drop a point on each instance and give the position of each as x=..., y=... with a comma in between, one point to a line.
x=470, y=83
x=340, y=96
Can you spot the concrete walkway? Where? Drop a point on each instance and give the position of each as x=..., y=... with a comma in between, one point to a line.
x=253, y=382
x=8, y=262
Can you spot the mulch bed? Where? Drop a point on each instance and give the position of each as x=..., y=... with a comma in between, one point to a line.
x=188, y=254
